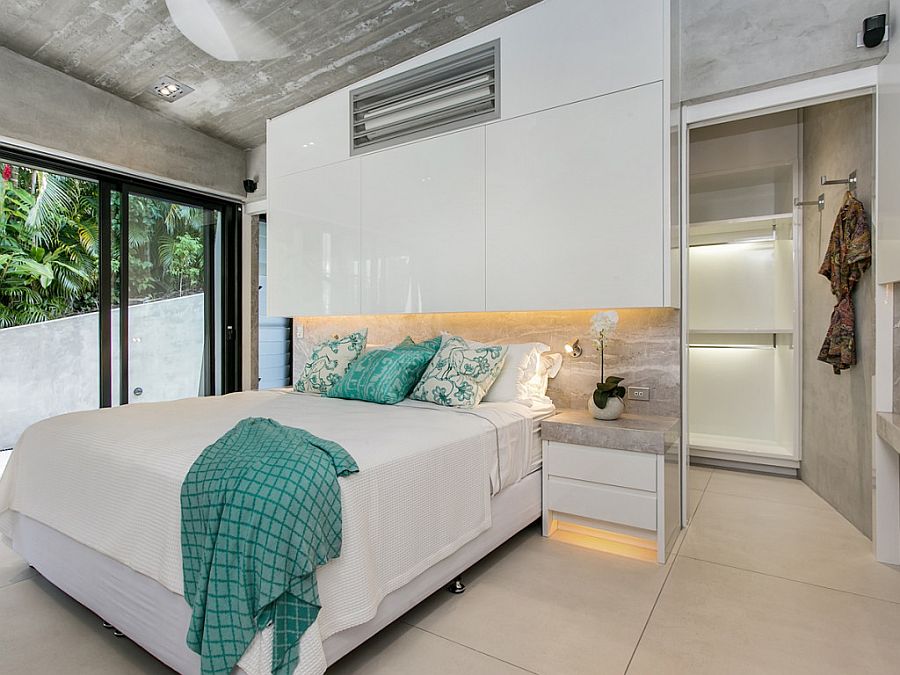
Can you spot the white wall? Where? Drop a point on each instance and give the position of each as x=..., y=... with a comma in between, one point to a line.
x=52, y=367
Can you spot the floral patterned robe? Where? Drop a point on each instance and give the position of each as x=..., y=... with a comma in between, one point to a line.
x=848, y=256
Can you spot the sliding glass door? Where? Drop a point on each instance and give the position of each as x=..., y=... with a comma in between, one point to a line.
x=49, y=295
x=170, y=279
x=112, y=291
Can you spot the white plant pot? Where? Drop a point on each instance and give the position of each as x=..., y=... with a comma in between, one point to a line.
x=614, y=408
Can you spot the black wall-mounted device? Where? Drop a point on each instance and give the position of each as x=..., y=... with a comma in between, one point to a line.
x=873, y=30
x=249, y=185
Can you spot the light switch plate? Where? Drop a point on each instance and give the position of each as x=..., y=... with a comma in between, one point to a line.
x=639, y=393
x=298, y=330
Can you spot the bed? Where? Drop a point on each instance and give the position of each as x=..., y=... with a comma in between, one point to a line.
x=91, y=500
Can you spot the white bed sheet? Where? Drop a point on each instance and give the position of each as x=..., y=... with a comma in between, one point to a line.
x=111, y=480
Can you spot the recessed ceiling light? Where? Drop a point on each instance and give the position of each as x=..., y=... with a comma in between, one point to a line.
x=170, y=89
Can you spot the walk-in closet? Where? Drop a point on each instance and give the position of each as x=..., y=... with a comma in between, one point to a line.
x=764, y=192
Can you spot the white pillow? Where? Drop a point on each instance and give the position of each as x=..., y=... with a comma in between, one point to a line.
x=548, y=367
x=521, y=366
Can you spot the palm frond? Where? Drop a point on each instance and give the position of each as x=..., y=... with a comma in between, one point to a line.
x=53, y=199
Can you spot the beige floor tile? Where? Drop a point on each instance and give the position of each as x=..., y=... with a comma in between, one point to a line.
x=12, y=568
x=401, y=649
x=44, y=631
x=796, y=542
x=698, y=477
x=549, y=607
x=713, y=620
x=769, y=488
x=694, y=499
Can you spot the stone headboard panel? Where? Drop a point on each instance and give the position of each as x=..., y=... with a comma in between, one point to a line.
x=644, y=349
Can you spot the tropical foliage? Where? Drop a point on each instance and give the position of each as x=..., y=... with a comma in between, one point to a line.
x=50, y=245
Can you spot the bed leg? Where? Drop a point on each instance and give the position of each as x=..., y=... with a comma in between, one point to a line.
x=108, y=626
x=457, y=586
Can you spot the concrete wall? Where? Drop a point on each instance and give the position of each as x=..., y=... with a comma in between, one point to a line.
x=46, y=108
x=837, y=433
x=53, y=367
x=645, y=348
x=256, y=169
x=735, y=45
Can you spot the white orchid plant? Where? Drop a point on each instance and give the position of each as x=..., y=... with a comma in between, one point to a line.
x=603, y=325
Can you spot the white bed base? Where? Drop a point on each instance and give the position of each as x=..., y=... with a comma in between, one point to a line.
x=157, y=619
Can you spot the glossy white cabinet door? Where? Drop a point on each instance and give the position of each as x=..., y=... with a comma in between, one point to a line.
x=310, y=136
x=313, y=242
x=562, y=51
x=423, y=226
x=575, y=215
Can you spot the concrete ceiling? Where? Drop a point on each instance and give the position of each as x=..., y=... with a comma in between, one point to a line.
x=125, y=46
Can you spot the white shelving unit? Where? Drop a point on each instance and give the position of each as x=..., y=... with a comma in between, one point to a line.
x=743, y=295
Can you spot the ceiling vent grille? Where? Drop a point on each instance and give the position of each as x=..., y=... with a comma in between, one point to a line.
x=454, y=92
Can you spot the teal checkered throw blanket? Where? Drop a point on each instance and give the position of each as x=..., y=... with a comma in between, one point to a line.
x=260, y=510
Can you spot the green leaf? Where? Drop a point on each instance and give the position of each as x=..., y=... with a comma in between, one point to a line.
x=600, y=398
x=608, y=389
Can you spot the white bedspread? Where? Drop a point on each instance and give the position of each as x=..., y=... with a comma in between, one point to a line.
x=111, y=479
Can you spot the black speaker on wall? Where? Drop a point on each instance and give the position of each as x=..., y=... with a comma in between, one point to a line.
x=873, y=30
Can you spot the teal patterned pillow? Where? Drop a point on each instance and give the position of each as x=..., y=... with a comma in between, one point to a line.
x=386, y=375
x=329, y=361
x=459, y=375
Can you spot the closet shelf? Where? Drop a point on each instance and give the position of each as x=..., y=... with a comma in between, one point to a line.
x=759, y=447
x=735, y=179
x=741, y=331
x=746, y=222
x=757, y=229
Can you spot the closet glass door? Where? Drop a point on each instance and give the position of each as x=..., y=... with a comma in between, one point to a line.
x=167, y=332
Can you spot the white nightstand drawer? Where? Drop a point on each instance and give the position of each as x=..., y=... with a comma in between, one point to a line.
x=601, y=502
x=601, y=465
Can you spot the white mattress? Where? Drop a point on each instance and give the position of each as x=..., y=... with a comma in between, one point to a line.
x=111, y=479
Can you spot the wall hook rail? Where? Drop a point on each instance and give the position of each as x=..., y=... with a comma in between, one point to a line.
x=820, y=202
x=850, y=181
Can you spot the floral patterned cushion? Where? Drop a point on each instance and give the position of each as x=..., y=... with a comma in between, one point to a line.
x=329, y=362
x=460, y=375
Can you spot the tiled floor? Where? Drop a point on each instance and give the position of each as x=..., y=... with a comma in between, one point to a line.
x=768, y=579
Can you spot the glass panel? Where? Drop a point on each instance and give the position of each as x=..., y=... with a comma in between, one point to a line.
x=166, y=298
x=49, y=297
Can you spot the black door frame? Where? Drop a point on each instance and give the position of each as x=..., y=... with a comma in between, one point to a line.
x=229, y=322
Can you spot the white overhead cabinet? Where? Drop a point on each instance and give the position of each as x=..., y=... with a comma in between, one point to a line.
x=575, y=205
x=313, y=234
x=555, y=196
x=423, y=226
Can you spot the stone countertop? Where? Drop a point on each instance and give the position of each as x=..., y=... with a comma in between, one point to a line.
x=888, y=426
x=637, y=433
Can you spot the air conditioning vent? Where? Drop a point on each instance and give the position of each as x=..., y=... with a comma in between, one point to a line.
x=454, y=92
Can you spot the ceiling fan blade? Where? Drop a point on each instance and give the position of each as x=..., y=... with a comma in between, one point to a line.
x=223, y=31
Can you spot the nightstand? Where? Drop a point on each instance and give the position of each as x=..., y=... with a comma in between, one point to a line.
x=612, y=485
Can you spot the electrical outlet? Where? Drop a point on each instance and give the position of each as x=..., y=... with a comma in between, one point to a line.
x=639, y=393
